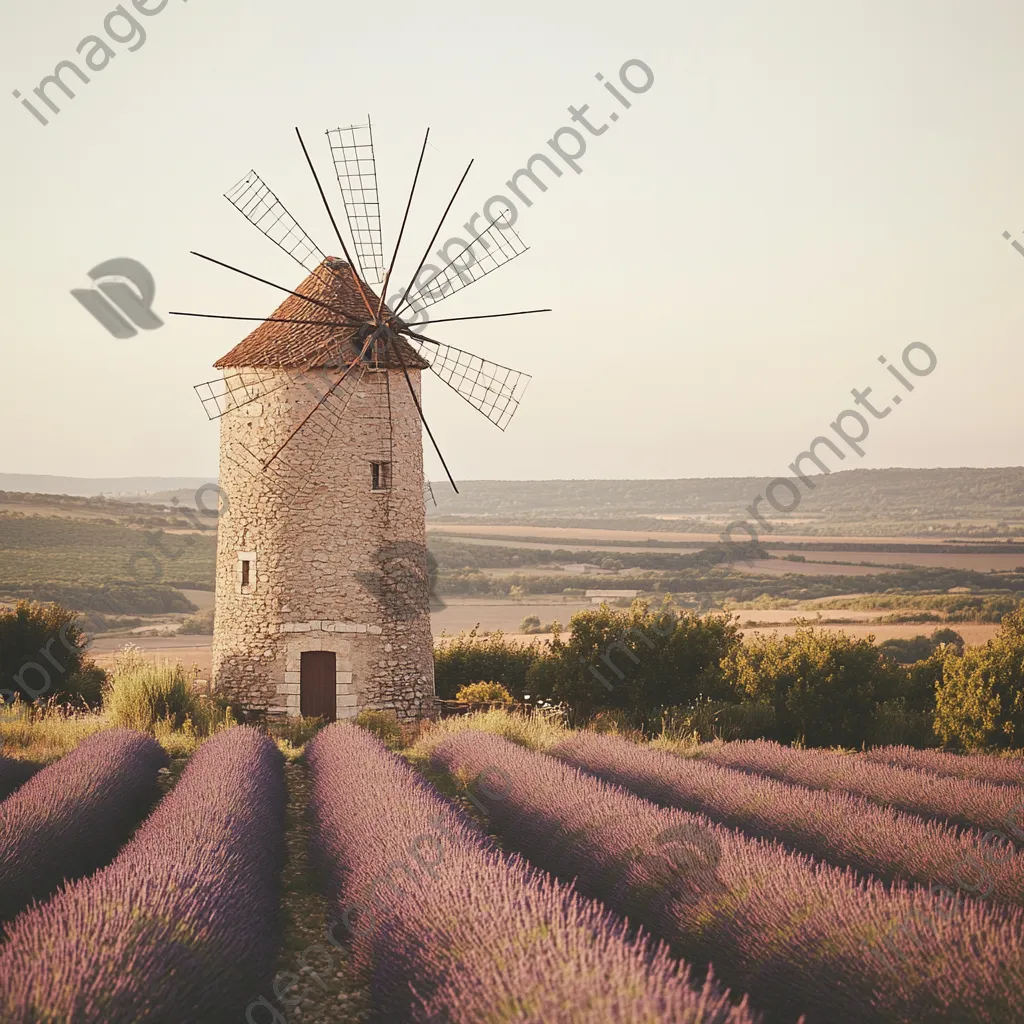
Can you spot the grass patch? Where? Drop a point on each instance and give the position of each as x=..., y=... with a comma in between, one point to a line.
x=44, y=732
x=534, y=730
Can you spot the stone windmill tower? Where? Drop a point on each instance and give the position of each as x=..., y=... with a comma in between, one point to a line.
x=322, y=604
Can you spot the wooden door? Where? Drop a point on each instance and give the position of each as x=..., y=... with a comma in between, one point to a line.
x=318, y=695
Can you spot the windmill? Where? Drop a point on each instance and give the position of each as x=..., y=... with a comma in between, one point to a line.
x=322, y=597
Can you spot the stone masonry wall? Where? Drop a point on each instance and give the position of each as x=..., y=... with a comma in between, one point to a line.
x=333, y=564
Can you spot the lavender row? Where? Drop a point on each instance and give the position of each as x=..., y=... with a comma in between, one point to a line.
x=955, y=801
x=798, y=935
x=73, y=816
x=997, y=771
x=446, y=927
x=833, y=826
x=181, y=926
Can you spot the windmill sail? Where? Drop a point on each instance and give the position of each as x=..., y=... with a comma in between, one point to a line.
x=356, y=168
x=357, y=349
x=495, y=246
x=491, y=388
x=234, y=390
x=254, y=199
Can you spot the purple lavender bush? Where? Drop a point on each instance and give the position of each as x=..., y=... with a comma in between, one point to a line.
x=182, y=925
x=834, y=826
x=997, y=771
x=74, y=815
x=955, y=801
x=799, y=936
x=447, y=928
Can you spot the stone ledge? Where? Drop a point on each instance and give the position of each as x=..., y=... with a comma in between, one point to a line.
x=326, y=626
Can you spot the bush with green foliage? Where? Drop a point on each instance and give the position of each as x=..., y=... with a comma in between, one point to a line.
x=296, y=731
x=470, y=657
x=824, y=685
x=637, y=661
x=708, y=720
x=384, y=725
x=484, y=693
x=159, y=698
x=42, y=657
x=909, y=650
x=980, y=698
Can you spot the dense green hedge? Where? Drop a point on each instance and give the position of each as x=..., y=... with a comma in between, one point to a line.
x=820, y=687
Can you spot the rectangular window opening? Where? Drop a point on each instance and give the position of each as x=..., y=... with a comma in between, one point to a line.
x=380, y=475
x=245, y=572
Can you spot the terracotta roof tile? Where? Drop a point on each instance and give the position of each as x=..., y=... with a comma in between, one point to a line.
x=309, y=346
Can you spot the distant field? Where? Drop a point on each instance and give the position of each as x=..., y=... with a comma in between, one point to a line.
x=585, y=534
x=779, y=567
x=68, y=549
x=78, y=551
x=953, y=560
x=961, y=502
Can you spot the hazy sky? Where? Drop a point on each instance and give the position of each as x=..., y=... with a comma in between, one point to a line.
x=804, y=187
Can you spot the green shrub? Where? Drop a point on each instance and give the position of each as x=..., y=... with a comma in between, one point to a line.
x=384, y=725
x=824, y=685
x=708, y=720
x=469, y=657
x=895, y=723
x=636, y=661
x=42, y=657
x=140, y=693
x=297, y=731
x=483, y=693
x=87, y=685
x=980, y=697
x=908, y=650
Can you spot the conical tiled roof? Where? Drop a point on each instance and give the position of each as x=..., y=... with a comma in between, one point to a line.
x=309, y=346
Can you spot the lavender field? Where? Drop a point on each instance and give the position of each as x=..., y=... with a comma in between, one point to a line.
x=505, y=868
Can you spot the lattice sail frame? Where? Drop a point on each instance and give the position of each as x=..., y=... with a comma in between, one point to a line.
x=492, y=389
x=234, y=390
x=459, y=273
x=356, y=168
x=256, y=201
